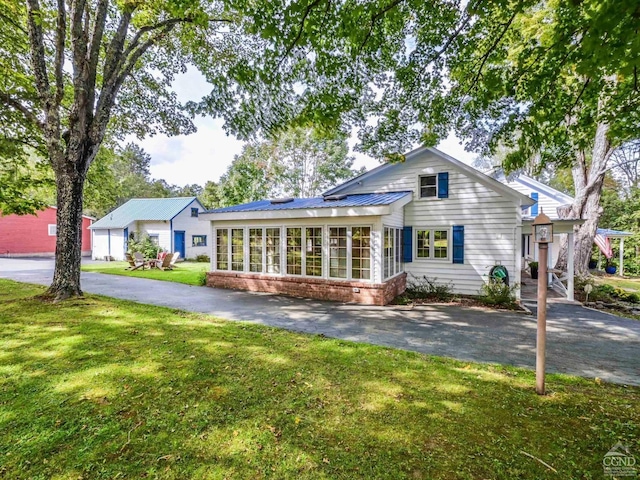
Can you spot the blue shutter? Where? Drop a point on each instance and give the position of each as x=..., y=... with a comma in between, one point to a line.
x=534, y=207
x=407, y=244
x=443, y=185
x=458, y=244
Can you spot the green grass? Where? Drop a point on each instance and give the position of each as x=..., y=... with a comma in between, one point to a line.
x=631, y=284
x=190, y=273
x=100, y=388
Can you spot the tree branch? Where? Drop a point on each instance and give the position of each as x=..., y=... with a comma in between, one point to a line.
x=31, y=116
x=374, y=18
x=299, y=34
x=94, y=49
x=61, y=33
x=486, y=55
x=36, y=40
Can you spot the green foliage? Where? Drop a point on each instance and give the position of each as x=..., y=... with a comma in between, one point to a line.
x=143, y=244
x=188, y=273
x=497, y=293
x=425, y=288
x=621, y=211
x=603, y=292
x=202, y=278
x=203, y=258
x=173, y=395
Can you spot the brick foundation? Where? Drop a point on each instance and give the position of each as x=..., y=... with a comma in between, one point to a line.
x=321, y=289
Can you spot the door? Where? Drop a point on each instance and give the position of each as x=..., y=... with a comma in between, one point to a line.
x=178, y=242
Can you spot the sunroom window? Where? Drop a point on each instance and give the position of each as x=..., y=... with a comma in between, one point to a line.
x=338, y=252
x=255, y=250
x=237, y=249
x=294, y=251
x=272, y=250
x=313, y=251
x=222, y=249
x=361, y=253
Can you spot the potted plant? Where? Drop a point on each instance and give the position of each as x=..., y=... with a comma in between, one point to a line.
x=534, y=270
x=593, y=264
x=610, y=268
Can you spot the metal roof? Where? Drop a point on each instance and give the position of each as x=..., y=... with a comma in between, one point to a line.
x=356, y=200
x=143, y=209
x=607, y=232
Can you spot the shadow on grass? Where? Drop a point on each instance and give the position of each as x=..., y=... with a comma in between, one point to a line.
x=99, y=388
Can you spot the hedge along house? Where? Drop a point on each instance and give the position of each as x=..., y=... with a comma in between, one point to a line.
x=171, y=223
x=431, y=215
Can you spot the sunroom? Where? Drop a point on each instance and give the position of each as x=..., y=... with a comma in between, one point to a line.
x=344, y=247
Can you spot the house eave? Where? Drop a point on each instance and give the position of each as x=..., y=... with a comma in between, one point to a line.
x=301, y=213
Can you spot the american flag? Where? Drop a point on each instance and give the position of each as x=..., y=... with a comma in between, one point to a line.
x=604, y=244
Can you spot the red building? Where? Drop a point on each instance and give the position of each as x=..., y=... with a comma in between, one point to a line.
x=35, y=235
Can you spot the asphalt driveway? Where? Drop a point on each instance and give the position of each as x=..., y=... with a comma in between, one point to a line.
x=579, y=341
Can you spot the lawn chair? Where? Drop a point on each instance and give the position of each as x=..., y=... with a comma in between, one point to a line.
x=176, y=255
x=134, y=263
x=166, y=262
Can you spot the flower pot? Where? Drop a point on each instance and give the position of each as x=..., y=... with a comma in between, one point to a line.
x=593, y=264
x=610, y=269
x=534, y=273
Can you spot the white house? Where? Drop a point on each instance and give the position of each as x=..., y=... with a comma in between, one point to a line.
x=429, y=215
x=170, y=222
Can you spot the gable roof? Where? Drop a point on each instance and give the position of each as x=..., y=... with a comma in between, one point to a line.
x=355, y=200
x=144, y=209
x=540, y=187
x=471, y=172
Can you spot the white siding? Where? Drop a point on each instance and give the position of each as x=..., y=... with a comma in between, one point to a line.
x=160, y=228
x=395, y=218
x=100, y=244
x=108, y=243
x=549, y=205
x=193, y=226
x=490, y=222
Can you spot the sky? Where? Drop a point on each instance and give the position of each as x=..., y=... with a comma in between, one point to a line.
x=206, y=154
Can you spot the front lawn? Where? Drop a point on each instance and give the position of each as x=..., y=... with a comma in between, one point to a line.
x=630, y=284
x=100, y=388
x=191, y=273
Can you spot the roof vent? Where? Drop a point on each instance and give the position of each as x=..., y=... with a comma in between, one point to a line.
x=333, y=198
x=277, y=201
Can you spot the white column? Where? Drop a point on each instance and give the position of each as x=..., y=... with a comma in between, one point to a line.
x=549, y=266
x=517, y=244
x=621, y=269
x=570, y=266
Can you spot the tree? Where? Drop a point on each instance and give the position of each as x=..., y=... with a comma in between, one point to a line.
x=300, y=162
x=75, y=67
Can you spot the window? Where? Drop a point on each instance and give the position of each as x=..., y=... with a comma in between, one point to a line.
x=294, y=251
x=432, y=244
x=423, y=249
x=392, y=251
x=428, y=186
x=53, y=229
x=194, y=212
x=237, y=249
x=199, y=241
x=155, y=239
x=273, y=250
x=440, y=244
x=222, y=249
x=361, y=253
x=338, y=252
x=255, y=250
x=313, y=252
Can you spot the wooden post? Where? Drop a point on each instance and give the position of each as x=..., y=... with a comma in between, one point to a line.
x=542, y=317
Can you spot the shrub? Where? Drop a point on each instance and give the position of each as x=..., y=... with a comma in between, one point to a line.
x=203, y=258
x=424, y=288
x=497, y=293
x=202, y=277
x=144, y=245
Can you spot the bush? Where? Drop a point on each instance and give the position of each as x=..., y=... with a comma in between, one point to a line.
x=202, y=278
x=203, y=258
x=499, y=294
x=144, y=245
x=424, y=288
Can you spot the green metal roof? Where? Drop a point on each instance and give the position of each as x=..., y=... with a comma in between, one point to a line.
x=143, y=209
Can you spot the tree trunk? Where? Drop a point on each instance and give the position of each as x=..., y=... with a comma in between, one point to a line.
x=66, y=277
x=588, y=181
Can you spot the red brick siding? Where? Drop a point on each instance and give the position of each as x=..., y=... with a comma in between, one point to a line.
x=369, y=294
x=29, y=234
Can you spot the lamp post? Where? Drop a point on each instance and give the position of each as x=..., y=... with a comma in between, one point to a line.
x=543, y=236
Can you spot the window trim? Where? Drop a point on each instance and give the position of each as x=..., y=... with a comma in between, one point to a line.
x=430, y=197
x=396, y=261
x=195, y=210
x=349, y=277
x=432, y=231
x=55, y=229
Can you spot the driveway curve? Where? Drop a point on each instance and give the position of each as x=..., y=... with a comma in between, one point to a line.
x=580, y=341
